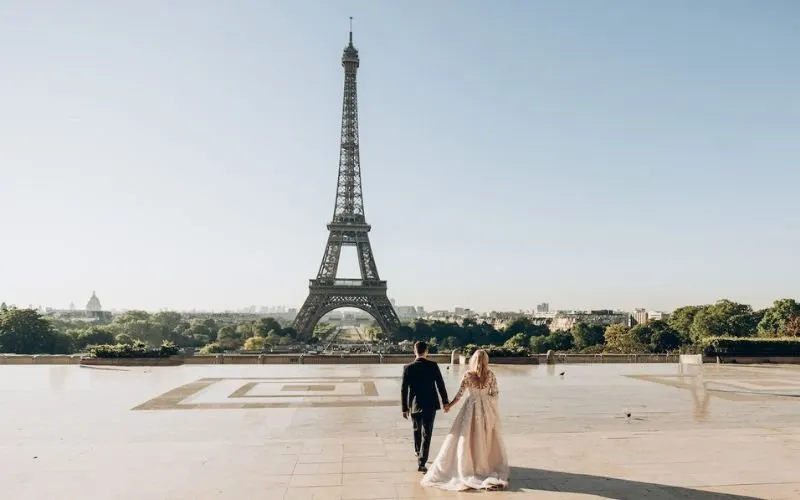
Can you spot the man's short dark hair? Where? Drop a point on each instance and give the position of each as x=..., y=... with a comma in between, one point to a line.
x=420, y=347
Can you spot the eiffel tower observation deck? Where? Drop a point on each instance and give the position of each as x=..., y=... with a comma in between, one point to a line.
x=348, y=227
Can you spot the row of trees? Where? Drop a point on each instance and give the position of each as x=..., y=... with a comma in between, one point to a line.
x=25, y=331
x=684, y=330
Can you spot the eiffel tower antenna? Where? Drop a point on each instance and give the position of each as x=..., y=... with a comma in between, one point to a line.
x=348, y=227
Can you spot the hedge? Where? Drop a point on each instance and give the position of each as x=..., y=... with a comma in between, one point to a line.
x=496, y=351
x=137, y=350
x=748, y=346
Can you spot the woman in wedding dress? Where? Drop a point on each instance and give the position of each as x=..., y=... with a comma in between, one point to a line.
x=473, y=456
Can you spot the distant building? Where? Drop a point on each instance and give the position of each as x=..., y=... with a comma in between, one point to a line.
x=406, y=312
x=544, y=307
x=93, y=306
x=463, y=312
x=657, y=316
x=566, y=320
x=640, y=316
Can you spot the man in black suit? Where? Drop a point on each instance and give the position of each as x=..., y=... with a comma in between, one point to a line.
x=421, y=379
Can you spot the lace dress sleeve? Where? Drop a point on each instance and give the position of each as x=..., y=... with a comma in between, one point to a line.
x=493, y=390
x=462, y=387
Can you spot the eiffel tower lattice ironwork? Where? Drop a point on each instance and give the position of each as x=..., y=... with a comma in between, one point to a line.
x=348, y=228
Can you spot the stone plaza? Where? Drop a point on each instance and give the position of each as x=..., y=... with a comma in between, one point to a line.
x=620, y=431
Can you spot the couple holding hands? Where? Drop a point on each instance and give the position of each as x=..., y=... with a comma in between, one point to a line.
x=473, y=456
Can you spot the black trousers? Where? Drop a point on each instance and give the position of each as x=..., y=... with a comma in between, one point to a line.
x=423, y=428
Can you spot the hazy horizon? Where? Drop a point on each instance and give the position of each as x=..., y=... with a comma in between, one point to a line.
x=589, y=155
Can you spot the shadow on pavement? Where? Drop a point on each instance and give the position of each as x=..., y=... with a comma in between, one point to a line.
x=529, y=479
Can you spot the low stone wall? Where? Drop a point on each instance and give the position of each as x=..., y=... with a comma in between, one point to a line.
x=201, y=359
x=21, y=359
x=40, y=359
x=57, y=359
x=608, y=358
x=662, y=358
x=297, y=359
x=275, y=359
x=754, y=360
x=132, y=361
x=528, y=360
x=241, y=359
x=403, y=359
x=342, y=359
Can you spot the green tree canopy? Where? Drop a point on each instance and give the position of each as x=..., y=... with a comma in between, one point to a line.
x=25, y=331
x=133, y=315
x=725, y=318
x=518, y=341
x=777, y=320
x=263, y=326
x=244, y=330
x=524, y=324
x=255, y=344
x=556, y=341
x=123, y=338
x=95, y=335
x=618, y=339
x=587, y=335
x=655, y=336
x=682, y=318
x=228, y=337
x=170, y=320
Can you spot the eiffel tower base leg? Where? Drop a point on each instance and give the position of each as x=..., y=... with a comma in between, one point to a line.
x=320, y=303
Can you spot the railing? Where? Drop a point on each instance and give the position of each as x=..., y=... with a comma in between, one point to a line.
x=349, y=283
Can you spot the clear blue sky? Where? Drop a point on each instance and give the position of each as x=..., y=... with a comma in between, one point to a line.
x=591, y=154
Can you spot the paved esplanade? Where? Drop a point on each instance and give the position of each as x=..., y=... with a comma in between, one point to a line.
x=272, y=432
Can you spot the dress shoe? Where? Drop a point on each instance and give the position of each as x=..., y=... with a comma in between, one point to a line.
x=422, y=468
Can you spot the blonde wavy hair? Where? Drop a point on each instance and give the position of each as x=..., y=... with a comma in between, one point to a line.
x=479, y=365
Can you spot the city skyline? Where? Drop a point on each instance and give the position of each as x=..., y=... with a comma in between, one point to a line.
x=594, y=156
x=542, y=309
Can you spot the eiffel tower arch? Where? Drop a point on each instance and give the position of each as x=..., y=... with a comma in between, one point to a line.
x=348, y=228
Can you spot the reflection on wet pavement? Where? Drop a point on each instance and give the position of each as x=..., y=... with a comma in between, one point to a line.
x=335, y=431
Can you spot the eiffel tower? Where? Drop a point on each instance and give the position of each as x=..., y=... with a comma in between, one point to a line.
x=348, y=228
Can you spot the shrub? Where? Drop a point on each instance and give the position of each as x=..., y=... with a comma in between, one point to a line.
x=135, y=350
x=213, y=348
x=93, y=336
x=123, y=338
x=593, y=349
x=738, y=346
x=496, y=351
x=255, y=344
x=556, y=341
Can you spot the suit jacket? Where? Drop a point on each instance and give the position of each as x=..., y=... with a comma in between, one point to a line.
x=421, y=379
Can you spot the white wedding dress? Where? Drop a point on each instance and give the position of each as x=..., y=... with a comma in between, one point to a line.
x=473, y=455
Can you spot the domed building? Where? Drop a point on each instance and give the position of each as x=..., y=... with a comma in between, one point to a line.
x=93, y=306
